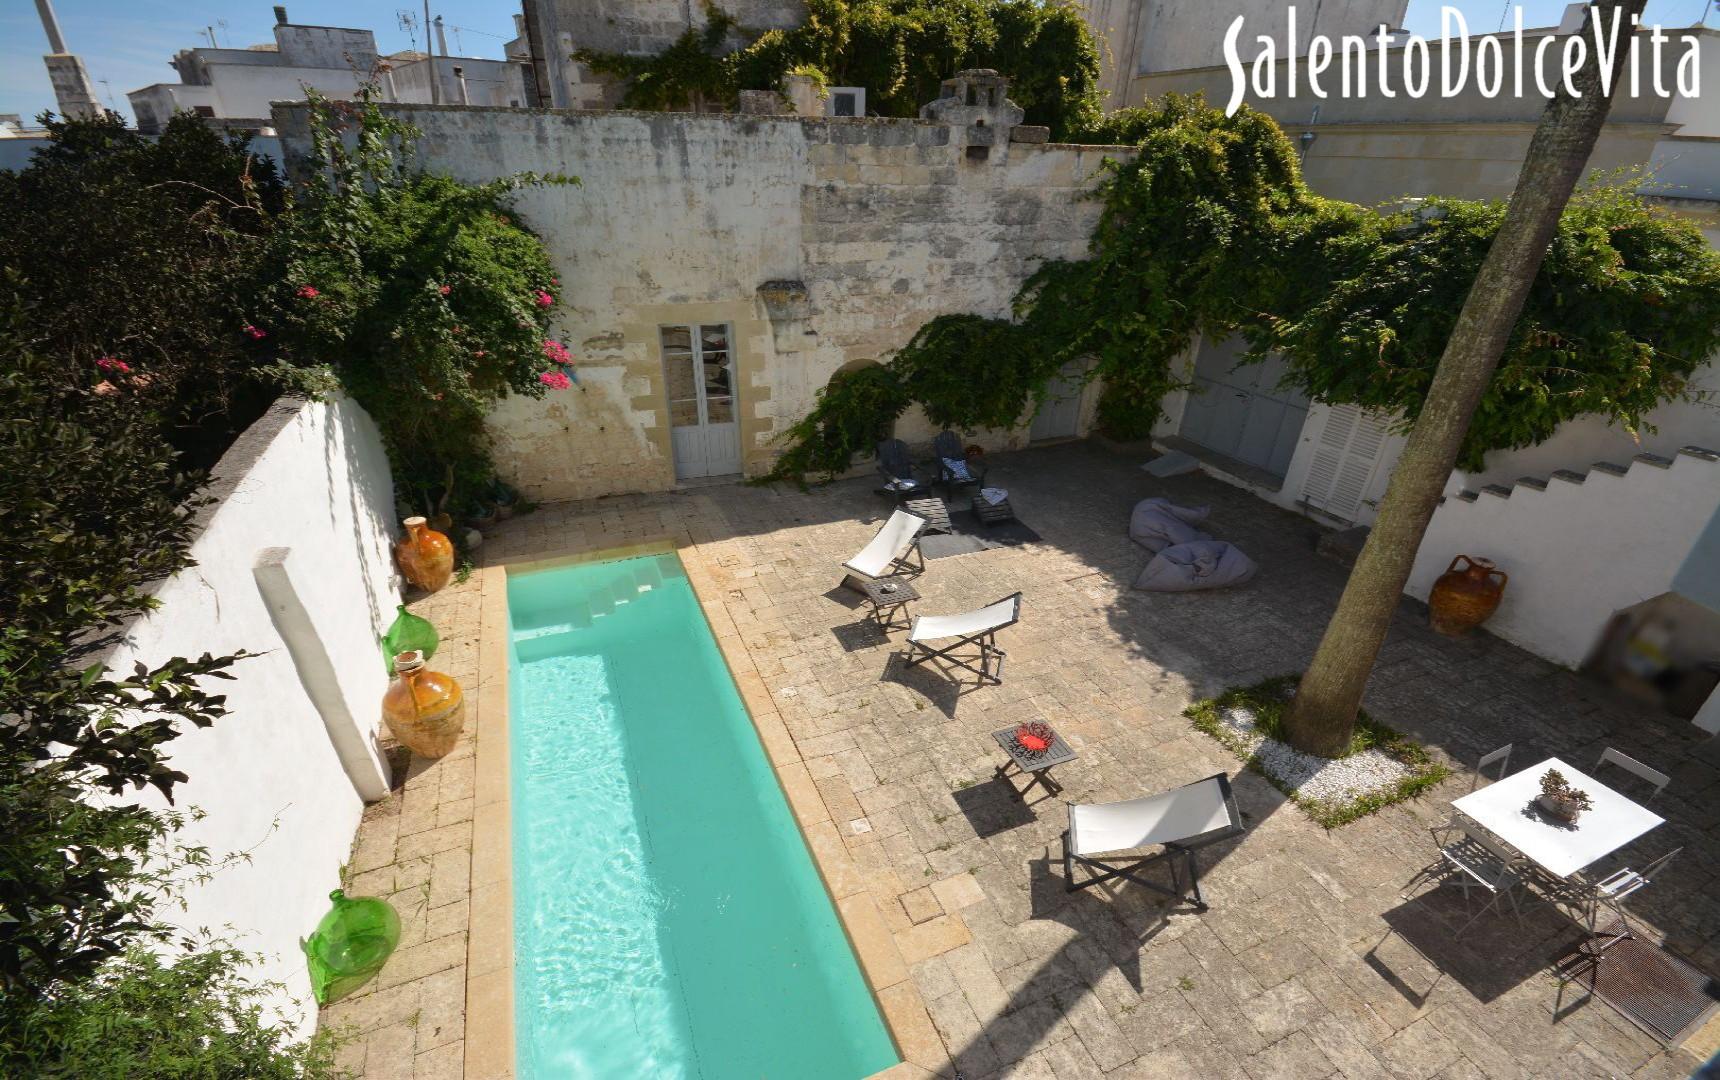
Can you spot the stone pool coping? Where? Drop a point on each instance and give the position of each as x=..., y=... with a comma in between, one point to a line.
x=489, y=1050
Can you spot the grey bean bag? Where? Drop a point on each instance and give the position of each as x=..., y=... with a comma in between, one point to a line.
x=1158, y=523
x=1203, y=564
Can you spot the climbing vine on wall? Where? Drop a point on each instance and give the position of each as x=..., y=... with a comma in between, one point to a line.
x=899, y=50
x=1210, y=230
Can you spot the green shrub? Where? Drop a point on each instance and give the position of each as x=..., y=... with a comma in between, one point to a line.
x=195, y=1016
x=140, y=254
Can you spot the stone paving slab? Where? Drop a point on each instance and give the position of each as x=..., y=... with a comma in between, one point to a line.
x=1309, y=963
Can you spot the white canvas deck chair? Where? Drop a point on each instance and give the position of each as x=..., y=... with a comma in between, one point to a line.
x=889, y=551
x=1179, y=822
x=972, y=628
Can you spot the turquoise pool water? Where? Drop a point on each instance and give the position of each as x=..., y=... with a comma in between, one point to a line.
x=668, y=920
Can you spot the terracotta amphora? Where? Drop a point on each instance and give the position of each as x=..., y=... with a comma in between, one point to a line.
x=424, y=555
x=1462, y=599
x=424, y=709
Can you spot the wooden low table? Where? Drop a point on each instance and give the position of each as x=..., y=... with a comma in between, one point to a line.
x=1035, y=765
x=937, y=514
x=889, y=597
x=992, y=513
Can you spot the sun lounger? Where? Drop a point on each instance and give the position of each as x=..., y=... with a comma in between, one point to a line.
x=1178, y=821
x=973, y=628
x=889, y=551
x=955, y=468
x=897, y=469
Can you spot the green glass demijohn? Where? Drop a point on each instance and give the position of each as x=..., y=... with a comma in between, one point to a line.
x=408, y=633
x=350, y=945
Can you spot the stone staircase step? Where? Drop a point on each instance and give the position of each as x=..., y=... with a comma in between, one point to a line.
x=1468, y=495
x=1568, y=476
x=1700, y=452
x=1610, y=468
x=1497, y=489
x=1654, y=459
x=1535, y=482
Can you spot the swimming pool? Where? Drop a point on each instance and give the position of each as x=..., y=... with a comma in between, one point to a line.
x=668, y=919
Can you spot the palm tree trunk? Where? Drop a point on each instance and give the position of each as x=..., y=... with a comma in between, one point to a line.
x=1322, y=716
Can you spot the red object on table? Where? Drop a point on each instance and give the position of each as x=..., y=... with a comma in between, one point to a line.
x=1035, y=736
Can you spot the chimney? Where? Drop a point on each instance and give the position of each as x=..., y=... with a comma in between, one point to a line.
x=441, y=38
x=280, y=15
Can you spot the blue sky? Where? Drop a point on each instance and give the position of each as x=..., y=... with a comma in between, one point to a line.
x=129, y=42
x=126, y=43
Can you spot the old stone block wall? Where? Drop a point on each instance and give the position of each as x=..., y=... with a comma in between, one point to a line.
x=681, y=218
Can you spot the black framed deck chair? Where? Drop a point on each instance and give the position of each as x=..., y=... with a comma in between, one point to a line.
x=897, y=469
x=971, y=629
x=1179, y=822
x=894, y=550
x=955, y=468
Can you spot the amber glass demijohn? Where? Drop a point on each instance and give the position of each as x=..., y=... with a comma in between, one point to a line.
x=424, y=709
x=424, y=555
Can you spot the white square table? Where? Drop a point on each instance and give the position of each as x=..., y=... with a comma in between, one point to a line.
x=1504, y=809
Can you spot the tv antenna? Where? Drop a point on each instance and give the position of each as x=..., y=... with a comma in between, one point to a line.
x=408, y=23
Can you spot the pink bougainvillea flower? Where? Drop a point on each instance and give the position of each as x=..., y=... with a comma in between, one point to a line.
x=255, y=333
x=555, y=281
x=308, y=292
x=544, y=299
x=446, y=289
x=556, y=351
x=110, y=363
x=480, y=354
x=555, y=380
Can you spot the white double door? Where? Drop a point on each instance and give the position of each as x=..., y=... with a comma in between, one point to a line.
x=699, y=373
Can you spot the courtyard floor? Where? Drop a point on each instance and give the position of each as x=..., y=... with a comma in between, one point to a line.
x=1309, y=963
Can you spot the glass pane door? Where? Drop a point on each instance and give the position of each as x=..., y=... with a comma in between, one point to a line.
x=717, y=368
x=699, y=383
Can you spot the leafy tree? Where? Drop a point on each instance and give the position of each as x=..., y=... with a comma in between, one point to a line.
x=1323, y=714
x=899, y=50
x=135, y=257
x=427, y=297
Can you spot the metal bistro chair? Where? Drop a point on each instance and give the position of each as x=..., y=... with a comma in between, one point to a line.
x=1610, y=893
x=1500, y=757
x=1658, y=779
x=1472, y=858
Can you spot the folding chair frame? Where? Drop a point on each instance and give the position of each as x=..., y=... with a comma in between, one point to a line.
x=989, y=654
x=1179, y=853
x=898, y=565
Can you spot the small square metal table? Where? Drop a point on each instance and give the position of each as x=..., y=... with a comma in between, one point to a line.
x=889, y=597
x=1034, y=764
x=1507, y=809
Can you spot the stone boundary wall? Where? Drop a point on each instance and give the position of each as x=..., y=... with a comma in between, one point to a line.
x=865, y=228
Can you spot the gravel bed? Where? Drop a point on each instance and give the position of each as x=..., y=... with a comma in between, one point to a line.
x=1334, y=781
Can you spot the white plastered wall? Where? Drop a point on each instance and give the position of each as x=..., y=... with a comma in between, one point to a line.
x=312, y=478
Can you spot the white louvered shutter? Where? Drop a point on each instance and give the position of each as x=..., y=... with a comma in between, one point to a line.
x=1345, y=457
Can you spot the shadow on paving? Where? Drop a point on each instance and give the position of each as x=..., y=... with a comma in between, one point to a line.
x=1461, y=698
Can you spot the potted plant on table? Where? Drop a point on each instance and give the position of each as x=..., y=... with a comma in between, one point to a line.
x=1560, y=799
